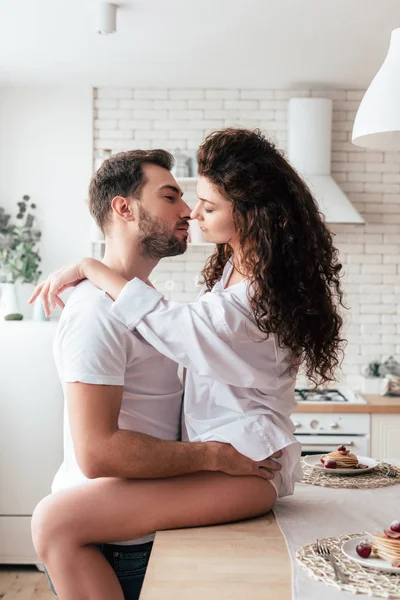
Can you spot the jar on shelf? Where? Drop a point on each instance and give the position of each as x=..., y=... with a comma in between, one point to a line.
x=181, y=165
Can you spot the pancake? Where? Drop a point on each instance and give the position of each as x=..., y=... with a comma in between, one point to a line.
x=386, y=547
x=343, y=459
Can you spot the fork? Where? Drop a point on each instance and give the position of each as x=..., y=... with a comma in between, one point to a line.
x=323, y=550
x=390, y=472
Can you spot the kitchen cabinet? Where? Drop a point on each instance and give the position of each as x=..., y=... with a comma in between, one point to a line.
x=31, y=438
x=385, y=436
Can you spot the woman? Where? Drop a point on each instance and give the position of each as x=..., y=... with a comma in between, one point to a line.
x=269, y=303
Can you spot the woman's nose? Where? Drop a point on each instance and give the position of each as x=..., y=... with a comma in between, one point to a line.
x=195, y=214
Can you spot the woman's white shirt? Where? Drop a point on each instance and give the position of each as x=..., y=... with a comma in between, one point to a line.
x=239, y=387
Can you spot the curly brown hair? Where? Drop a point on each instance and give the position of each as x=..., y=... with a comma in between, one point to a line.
x=285, y=246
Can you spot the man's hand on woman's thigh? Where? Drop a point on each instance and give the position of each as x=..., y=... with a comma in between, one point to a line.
x=229, y=460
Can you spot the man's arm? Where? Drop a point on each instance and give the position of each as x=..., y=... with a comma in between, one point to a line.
x=104, y=450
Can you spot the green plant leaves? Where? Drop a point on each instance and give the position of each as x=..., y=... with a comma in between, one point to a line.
x=19, y=256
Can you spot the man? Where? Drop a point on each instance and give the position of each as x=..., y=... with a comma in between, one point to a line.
x=122, y=397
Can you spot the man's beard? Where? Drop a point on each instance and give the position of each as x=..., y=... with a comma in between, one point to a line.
x=156, y=240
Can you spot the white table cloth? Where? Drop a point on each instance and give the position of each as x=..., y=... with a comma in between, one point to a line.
x=316, y=512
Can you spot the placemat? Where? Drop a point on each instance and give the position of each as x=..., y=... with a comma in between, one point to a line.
x=373, y=479
x=361, y=580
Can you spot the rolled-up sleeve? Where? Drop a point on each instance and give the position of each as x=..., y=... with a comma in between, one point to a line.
x=195, y=335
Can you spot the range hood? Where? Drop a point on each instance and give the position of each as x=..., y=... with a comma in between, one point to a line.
x=309, y=151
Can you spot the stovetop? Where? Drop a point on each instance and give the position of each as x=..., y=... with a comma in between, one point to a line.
x=335, y=396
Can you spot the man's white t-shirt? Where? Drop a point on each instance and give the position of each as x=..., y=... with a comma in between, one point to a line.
x=93, y=346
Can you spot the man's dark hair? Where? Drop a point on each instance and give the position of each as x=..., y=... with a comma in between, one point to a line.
x=121, y=175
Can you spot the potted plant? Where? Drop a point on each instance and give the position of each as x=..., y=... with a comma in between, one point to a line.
x=19, y=257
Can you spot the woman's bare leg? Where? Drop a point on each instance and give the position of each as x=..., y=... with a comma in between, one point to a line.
x=107, y=510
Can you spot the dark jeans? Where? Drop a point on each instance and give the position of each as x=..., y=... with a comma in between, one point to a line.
x=129, y=564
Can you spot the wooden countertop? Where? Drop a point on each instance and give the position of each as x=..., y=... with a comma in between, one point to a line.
x=234, y=561
x=375, y=404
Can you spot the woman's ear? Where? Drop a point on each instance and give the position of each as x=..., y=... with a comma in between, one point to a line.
x=123, y=207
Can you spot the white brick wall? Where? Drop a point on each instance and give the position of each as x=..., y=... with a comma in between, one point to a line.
x=126, y=118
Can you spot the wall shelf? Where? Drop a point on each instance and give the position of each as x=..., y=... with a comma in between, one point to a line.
x=102, y=242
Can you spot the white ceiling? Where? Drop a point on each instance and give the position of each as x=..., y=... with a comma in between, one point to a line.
x=197, y=43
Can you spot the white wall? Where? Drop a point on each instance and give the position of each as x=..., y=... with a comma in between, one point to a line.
x=46, y=152
x=180, y=118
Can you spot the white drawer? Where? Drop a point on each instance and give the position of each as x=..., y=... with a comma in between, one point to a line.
x=331, y=423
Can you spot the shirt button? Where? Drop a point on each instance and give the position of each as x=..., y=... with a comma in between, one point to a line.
x=116, y=554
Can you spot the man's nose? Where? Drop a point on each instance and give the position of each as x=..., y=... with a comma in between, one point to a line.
x=184, y=211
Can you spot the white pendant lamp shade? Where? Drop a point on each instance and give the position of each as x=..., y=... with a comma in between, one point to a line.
x=377, y=123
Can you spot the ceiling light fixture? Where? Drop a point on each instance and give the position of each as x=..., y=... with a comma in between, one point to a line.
x=377, y=123
x=106, y=18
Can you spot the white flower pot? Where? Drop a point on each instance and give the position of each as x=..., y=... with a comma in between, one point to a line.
x=9, y=301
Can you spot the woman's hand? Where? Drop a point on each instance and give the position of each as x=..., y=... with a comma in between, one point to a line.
x=55, y=284
x=88, y=268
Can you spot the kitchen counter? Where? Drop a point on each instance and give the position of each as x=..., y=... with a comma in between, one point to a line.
x=248, y=560
x=375, y=404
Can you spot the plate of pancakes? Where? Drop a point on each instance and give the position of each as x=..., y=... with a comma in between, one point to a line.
x=340, y=462
x=380, y=550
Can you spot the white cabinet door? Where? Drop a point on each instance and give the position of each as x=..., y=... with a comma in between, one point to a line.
x=385, y=436
x=16, y=546
x=31, y=414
